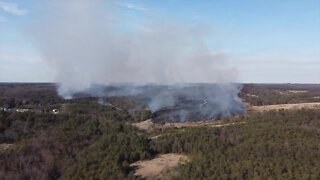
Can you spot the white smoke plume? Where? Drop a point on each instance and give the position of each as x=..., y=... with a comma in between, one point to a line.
x=90, y=42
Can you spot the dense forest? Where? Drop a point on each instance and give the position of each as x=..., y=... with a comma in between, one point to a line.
x=281, y=145
x=92, y=140
x=69, y=146
x=276, y=145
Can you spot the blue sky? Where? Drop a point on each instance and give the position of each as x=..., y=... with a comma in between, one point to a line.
x=267, y=41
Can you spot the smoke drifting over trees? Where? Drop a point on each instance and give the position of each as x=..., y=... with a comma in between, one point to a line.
x=92, y=42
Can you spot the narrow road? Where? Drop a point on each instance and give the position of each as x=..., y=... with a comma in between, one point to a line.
x=204, y=103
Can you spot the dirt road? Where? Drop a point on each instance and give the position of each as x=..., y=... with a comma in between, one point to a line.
x=148, y=124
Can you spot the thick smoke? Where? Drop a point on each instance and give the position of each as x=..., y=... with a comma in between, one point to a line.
x=90, y=42
x=197, y=102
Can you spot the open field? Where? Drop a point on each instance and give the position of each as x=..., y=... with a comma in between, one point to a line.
x=285, y=107
x=153, y=169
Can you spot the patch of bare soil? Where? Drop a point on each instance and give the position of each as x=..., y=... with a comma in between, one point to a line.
x=286, y=106
x=252, y=95
x=297, y=91
x=154, y=168
x=144, y=125
x=5, y=146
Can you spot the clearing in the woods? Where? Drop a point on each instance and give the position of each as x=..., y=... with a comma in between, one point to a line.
x=154, y=168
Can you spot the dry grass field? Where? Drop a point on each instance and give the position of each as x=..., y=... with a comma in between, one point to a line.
x=153, y=169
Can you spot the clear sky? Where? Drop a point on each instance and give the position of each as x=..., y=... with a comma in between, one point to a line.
x=267, y=41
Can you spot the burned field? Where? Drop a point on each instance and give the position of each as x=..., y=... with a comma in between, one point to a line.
x=195, y=110
x=178, y=103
